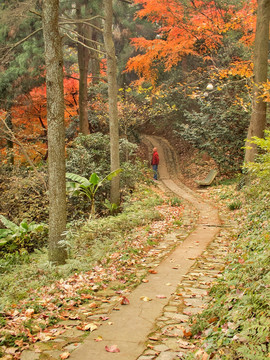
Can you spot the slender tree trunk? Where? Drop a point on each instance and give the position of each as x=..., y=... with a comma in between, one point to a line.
x=258, y=116
x=112, y=90
x=83, y=60
x=94, y=60
x=10, y=145
x=56, y=131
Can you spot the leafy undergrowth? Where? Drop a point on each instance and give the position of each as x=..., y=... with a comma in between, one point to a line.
x=236, y=325
x=109, y=257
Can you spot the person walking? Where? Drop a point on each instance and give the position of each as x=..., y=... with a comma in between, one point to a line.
x=155, y=162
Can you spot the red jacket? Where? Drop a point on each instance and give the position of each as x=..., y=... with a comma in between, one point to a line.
x=155, y=159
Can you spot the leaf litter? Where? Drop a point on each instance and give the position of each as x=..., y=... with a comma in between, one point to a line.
x=41, y=317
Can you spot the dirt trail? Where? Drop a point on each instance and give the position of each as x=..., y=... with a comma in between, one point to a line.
x=129, y=328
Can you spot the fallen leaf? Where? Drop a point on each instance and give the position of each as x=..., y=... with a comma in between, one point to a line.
x=74, y=317
x=145, y=280
x=90, y=326
x=99, y=338
x=153, y=338
x=213, y=319
x=124, y=301
x=29, y=312
x=112, y=349
x=7, y=357
x=201, y=354
x=185, y=344
x=93, y=305
x=161, y=296
x=65, y=355
x=187, y=334
x=145, y=298
x=44, y=337
x=152, y=271
x=11, y=350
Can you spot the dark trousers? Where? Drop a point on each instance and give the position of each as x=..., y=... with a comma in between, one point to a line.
x=155, y=168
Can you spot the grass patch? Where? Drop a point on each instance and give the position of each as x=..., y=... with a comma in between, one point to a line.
x=88, y=244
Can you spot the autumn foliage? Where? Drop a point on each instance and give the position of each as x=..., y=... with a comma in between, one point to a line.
x=188, y=28
x=29, y=119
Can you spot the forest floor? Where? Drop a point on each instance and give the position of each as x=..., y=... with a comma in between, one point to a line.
x=154, y=324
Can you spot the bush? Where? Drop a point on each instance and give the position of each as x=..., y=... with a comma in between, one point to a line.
x=91, y=154
x=215, y=124
x=25, y=236
x=23, y=195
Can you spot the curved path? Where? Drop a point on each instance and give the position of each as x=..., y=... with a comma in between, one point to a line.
x=129, y=328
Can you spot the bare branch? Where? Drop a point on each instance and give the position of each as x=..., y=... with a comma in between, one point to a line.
x=81, y=36
x=35, y=13
x=88, y=47
x=18, y=43
x=82, y=21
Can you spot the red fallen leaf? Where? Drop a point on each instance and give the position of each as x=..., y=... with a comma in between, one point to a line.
x=104, y=318
x=87, y=296
x=213, y=319
x=161, y=296
x=112, y=349
x=153, y=338
x=93, y=305
x=74, y=317
x=99, y=338
x=145, y=280
x=152, y=271
x=85, y=327
x=187, y=334
x=241, y=261
x=124, y=301
x=65, y=355
x=64, y=314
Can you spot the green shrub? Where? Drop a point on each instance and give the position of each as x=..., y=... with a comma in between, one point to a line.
x=261, y=166
x=235, y=205
x=23, y=237
x=175, y=201
x=91, y=154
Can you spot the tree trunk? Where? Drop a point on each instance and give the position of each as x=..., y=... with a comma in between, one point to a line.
x=258, y=116
x=112, y=91
x=83, y=61
x=56, y=131
x=10, y=145
x=95, y=61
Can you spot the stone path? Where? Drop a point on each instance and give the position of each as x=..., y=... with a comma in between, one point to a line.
x=155, y=323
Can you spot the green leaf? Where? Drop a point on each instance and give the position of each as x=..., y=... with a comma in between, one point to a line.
x=113, y=174
x=94, y=179
x=3, y=242
x=9, y=224
x=77, y=178
x=4, y=233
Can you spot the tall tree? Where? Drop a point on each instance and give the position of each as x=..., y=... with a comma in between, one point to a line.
x=112, y=92
x=261, y=49
x=56, y=131
x=85, y=32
